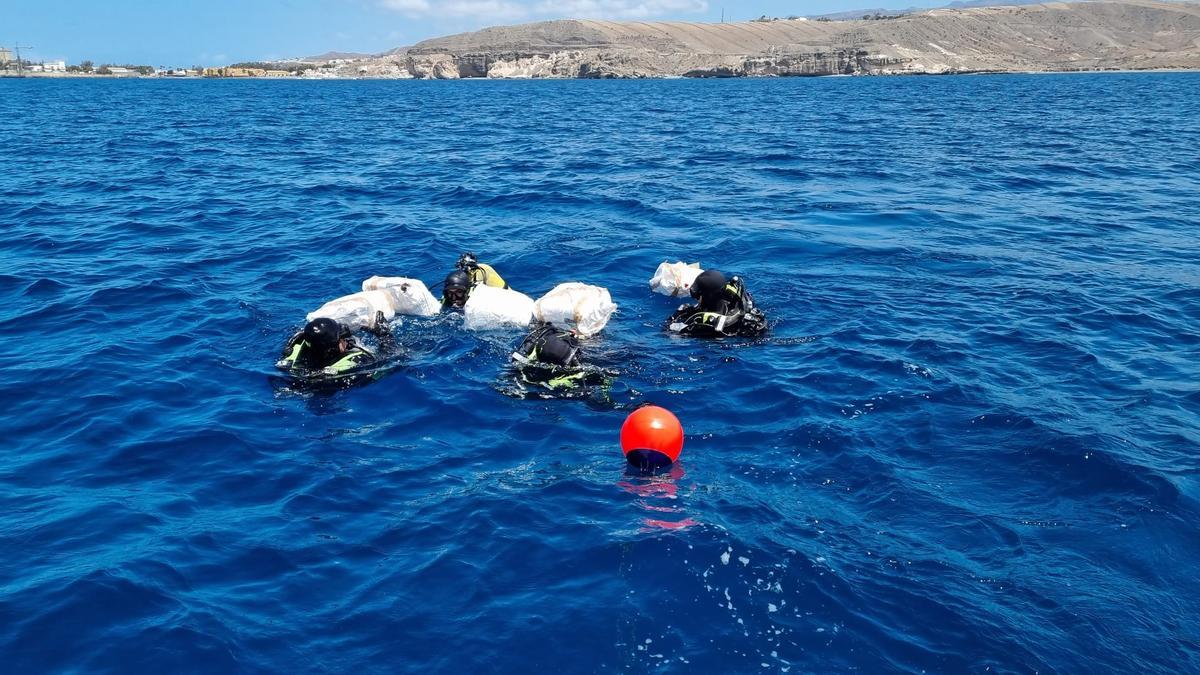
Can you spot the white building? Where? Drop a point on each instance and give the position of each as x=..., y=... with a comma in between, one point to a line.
x=48, y=67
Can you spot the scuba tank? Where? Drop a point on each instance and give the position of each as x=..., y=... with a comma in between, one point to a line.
x=479, y=273
x=547, y=345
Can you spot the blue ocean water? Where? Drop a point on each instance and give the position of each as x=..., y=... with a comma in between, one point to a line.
x=969, y=442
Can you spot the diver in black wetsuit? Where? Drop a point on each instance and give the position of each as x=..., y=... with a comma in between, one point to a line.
x=549, y=358
x=724, y=308
x=455, y=289
x=326, y=348
x=468, y=274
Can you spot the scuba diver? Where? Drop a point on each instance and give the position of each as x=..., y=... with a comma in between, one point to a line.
x=724, y=308
x=325, y=348
x=549, y=358
x=468, y=274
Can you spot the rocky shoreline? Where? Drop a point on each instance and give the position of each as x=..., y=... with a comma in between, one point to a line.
x=1057, y=37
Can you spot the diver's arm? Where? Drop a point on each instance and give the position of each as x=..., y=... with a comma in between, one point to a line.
x=291, y=344
x=682, y=318
x=290, y=355
x=294, y=340
x=751, y=320
x=382, y=331
x=387, y=342
x=745, y=300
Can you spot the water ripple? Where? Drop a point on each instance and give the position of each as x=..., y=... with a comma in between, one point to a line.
x=968, y=443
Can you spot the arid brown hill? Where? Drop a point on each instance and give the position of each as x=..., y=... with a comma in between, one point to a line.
x=1133, y=34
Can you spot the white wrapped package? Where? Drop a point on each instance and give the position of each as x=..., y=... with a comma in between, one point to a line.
x=488, y=308
x=357, y=310
x=584, y=308
x=674, y=278
x=409, y=296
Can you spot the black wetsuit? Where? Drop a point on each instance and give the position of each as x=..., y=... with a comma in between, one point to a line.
x=549, y=357
x=301, y=359
x=476, y=274
x=731, y=313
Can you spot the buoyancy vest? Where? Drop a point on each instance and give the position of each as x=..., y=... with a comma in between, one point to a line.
x=291, y=354
x=354, y=357
x=549, y=357
x=733, y=313
x=549, y=346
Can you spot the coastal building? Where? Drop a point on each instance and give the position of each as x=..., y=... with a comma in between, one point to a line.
x=278, y=73
x=48, y=67
x=5, y=56
x=119, y=71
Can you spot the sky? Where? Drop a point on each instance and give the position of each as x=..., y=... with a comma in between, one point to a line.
x=181, y=33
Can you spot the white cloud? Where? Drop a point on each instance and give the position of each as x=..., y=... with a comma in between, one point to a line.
x=620, y=9
x=543, y=9
x=407, y=6
x=495, y=9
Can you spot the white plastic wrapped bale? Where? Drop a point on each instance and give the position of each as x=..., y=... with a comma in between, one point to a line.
x=489, y=308
x=409, y=296
x=675, y=278
x=357, y=310
x=584, y=308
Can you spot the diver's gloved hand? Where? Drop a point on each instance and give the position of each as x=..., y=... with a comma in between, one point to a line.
x=380, y=328
x=467, y=262
x=682, y=317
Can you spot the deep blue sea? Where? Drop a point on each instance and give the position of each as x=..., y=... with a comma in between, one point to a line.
x=970, y=441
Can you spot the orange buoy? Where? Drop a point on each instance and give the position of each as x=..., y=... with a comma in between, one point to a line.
x=651, y=437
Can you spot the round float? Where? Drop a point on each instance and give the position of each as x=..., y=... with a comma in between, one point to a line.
x=651, y=437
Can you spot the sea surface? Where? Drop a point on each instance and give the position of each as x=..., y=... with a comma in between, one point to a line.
x=970, y=441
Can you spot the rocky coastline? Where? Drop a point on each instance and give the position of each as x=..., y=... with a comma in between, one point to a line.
x=1055, y=37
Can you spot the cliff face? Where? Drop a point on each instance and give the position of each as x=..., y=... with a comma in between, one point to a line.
x=1133, y=34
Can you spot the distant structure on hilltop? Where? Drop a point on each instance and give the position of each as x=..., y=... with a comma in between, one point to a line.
x=343, y=57
x=880, y=13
